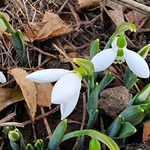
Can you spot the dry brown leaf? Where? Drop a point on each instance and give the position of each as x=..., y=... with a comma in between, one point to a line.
x=51, y=26
x=28, y=89
x=116, y=14
x=88, y=3
x=9, y=96
x=44, y=94
x=137, y=18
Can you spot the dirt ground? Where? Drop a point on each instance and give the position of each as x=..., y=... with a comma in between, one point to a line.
x=87, y=24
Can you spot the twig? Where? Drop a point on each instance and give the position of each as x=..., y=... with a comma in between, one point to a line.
x=7, y=118
x=61, y=8
x=43, y=115
x=46, y=123
x=134, y=5
x=12, y=124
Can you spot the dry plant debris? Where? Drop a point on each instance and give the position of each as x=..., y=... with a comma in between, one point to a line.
x=72, y=28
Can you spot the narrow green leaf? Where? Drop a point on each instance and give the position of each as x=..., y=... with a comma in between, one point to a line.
x=94, y=48
x=114, y=128
x=57, y=135
x=105, y=81
x=93, y=134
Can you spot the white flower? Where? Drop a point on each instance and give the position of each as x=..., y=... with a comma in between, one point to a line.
x=118, y=54
x=66, y=90
x=2, y=78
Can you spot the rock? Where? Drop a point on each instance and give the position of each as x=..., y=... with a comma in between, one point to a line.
x=114, y=100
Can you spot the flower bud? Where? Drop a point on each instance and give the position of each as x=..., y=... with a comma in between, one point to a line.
x=94, y=144
x=14, y=135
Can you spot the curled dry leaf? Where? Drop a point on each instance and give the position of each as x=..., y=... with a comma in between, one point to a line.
x=9, y=96
x=44, y=94
x=28, y=89
x=51, y=26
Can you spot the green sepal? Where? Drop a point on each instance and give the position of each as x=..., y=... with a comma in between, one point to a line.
x=92, y=118
x=86, y=64
x=143, y=94
x=94, y=144
x=39, y=145
x=127, y=129
x=29, y=147
x=18, y=42
x=146, y=107
x=57, y=135
x=93, y=134
x=144, y=51
x=133, y=114
x=6, y=129
x=105, y=81
x=93, y=99
x=94, y=48
x=114, y=128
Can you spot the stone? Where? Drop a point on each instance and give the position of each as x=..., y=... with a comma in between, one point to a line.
x=114, y=100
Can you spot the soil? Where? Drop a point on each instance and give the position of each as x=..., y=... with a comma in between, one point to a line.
x=75, y=44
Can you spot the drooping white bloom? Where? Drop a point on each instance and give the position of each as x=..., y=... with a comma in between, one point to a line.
x=2, y=78
x=65, y=91
x=118, y=54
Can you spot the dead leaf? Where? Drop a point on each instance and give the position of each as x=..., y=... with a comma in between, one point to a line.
x=9, y=96
x=44, y=94
x=116, y=12
x=137, y=18
x=51, y=26
x=2, y=24
x=28, y=89
x=88, y=3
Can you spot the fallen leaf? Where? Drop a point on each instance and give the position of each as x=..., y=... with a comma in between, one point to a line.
x=44, y=94
x=137, y=18
x=28, y=89
x=2, y=24
x=9, y=96
x=116, y=12
x=88, y=3
x=51, y=26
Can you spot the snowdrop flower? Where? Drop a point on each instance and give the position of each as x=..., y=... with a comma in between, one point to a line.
x=118, y=54
x=65, y=91
x=2, y=78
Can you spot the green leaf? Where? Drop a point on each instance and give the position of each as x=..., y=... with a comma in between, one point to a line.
x=93, y=99
x=57, y=135
x=94, y=48
x=133, y=114
x=129, y=79
x=14, y=145
x=144, y=51
x=86, y=64
x=126, y=130
x=92, y=118
x=93, y=134
x=114, y=128
x=17, y=40
x=105, y=81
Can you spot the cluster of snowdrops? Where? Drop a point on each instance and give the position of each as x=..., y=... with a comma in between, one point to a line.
x=67, y=88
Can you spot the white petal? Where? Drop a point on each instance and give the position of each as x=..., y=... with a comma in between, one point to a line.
x=67, y=108
x=66, y=88
x=136, y=63
x=2, y=78
x=47, y=75
x=104, y=59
